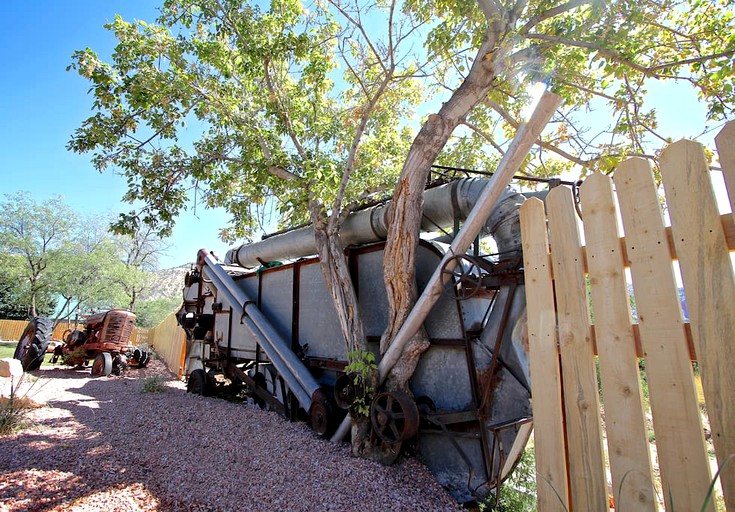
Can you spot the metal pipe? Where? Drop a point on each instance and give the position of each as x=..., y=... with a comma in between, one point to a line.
x=296, y=375
x=296, y=388
x=442, y=205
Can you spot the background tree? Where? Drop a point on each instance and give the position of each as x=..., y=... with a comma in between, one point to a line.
x=140, y=251
x=88, y=271
x=150, y=313
x=14, y=300
x=30, y=234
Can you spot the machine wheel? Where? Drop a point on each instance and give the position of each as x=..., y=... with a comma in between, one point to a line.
x=464, y=280
x=394, y=417
x=32, y=345
x=345, y=391
x=321, y=415
x=386, y=453
x=102, y=365
x=198, y=383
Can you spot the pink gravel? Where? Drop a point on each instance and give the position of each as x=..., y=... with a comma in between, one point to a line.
x=103, y=444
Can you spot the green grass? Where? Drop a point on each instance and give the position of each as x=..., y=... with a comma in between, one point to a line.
x=7, y=349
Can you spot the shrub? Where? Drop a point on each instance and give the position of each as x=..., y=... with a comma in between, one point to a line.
x=155, y=384
x=14, y=409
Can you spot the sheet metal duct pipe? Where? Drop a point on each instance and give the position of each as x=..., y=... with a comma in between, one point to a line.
x=441, y=205
x=289, y=366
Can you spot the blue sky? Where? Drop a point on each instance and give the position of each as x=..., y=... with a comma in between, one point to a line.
x=42, y=104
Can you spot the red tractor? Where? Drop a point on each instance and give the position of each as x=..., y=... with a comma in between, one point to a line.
x=105, y=340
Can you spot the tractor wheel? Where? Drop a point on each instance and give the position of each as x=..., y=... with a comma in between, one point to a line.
x=119, y=363
x=141, y=358
x=198, y=383
x=102, y=364
x=33, y=343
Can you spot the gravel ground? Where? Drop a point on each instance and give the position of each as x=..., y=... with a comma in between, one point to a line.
x=104, y=444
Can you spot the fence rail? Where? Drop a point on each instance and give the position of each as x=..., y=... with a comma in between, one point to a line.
x=579, y=309
x=11, y=330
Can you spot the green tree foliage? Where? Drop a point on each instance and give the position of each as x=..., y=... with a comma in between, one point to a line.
x=150, y=313
x=50, y=256
x=31, y=234
x=601, y=57
x=274, y=118
x=139, y=251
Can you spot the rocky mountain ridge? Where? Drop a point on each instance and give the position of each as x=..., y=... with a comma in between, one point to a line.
x=166, y=283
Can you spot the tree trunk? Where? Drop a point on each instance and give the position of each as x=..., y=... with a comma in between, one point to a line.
x=407, y=206
x=339, y=284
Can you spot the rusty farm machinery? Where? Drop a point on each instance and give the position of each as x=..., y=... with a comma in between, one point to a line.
x=263, y=321
x=105, y=339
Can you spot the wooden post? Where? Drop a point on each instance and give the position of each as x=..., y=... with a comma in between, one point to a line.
x=725, y=142
x=679, y=439
x=628, y=453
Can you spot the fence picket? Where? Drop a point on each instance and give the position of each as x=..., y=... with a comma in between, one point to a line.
x=581, y=400
x=709, y=286
x=679, y=438
x=725, y=142
x=630, y=462
x=551, y=475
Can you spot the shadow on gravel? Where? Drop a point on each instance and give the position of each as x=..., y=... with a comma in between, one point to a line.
x=99, y=446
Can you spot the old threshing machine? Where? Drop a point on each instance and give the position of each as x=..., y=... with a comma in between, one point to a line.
x=263, y=320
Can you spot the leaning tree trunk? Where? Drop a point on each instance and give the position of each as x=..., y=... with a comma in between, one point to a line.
x=339, y=284
x=407, y=206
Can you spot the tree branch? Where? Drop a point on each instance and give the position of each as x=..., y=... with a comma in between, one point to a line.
x=550, y=13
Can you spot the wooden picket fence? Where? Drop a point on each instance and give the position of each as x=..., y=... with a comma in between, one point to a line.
x=579, y=311
x=169, y=341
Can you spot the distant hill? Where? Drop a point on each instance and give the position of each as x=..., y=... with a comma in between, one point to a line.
x=166, y=284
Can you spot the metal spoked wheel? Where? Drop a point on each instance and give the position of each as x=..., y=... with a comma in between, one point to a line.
x=394, y=417
x=464, y=279
x=102, y=365
x=321, y=415
x=387, y=453
x=198, y=383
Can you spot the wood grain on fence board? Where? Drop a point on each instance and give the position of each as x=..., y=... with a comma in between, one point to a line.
x=581, y=401
x=551, y=473
x=709, y=286
x=679, y=438
x=628, y=451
